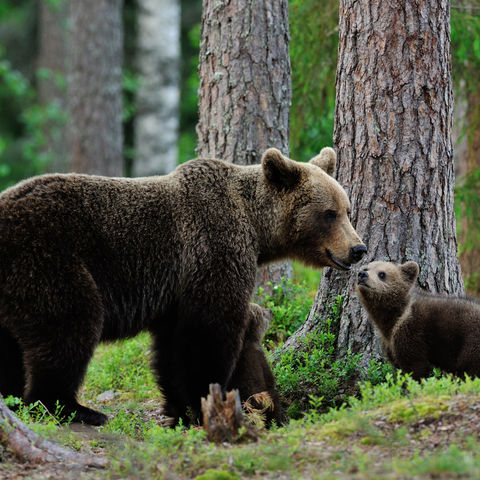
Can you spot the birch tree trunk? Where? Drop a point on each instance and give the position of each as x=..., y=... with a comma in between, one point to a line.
x=158, y=65
x=393, y=122
x=245, y=85
x=95, y=87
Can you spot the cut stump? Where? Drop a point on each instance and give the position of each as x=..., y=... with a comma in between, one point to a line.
x=223, y=418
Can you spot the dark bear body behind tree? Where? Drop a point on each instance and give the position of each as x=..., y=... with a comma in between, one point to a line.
x=86, y=259
x=420, y=330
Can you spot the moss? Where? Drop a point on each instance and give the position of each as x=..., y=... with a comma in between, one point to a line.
x=407, y=411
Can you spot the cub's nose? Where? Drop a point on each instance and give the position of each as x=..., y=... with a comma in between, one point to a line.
x=357, y=252
x=362, y=276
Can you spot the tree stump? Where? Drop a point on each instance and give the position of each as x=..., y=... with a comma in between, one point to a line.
x=223, y=418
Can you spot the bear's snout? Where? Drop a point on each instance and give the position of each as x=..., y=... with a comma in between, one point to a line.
x=362, y=277
x=357, y=252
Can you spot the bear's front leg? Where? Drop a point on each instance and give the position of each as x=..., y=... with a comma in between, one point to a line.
x=201, y=348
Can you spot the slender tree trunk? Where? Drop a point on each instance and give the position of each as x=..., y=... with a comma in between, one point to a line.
x=95, y=87
x=51, y=87
x=393, y=122
x=245, y=89
x=158, y=63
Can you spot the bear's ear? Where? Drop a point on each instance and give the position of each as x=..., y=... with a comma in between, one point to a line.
x=410, y=271
x=280, y=171
x=326, y=160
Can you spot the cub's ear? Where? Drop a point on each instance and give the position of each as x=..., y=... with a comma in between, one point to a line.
x=410, y=271
x=280, y=171
x=326, y=160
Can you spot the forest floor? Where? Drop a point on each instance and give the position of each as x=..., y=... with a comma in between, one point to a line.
x=398, y=429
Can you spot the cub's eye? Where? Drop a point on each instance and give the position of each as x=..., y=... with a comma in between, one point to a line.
x=382, y=275
x=330, y=215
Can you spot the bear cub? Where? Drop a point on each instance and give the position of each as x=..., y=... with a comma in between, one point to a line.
x=253, y=374
x=420, y=330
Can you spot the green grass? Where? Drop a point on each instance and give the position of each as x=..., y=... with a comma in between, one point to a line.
x=394, y=427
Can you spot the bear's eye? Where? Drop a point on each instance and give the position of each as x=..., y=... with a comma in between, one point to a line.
x=330, y=215
x=382, y=275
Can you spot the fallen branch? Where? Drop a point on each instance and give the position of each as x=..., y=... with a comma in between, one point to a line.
x=29, y=446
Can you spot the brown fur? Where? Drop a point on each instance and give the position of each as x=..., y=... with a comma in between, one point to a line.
x=420, y=330
x=86, y=259
x=253, y=374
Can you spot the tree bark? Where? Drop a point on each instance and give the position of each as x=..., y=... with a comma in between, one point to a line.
x=158, y=96
x=95, y=87
x=51, y=89
x=28, y=446
x=393, y=122
x=245, y=85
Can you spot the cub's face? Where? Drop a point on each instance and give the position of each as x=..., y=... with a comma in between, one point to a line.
x=385, y=284
x=316, y=210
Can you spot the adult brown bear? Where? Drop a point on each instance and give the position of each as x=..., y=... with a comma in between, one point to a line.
x=86, y=259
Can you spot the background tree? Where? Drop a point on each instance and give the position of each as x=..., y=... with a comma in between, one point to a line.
x=465, y=23
x=95, y=87
x=244, y=95
x=158, y=94
x=53, y=41
x=393, y=122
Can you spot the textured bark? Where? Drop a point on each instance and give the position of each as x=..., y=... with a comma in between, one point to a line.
x=52, y=56
x=393, y=135
x=158, y=65
x=245, y=85
x=28, y=446
x=95, y=87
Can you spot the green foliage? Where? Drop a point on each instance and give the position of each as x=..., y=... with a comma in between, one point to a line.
x=289, y=304
x=124, y=367
x=37, y=413
x=312, y=371
x=378, y=370
x=189, y=97
x=23, y=145
x=218, y=475
x=313, y=51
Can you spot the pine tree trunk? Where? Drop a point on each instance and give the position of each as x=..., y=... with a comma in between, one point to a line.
x=245, y=85
x=95, y=87
x=158, y=96
x=52, y=58
x=393, y=122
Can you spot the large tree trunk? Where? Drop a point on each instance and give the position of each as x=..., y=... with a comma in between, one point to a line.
x=393, y=135
x=51, y=89
x=158, y=64
x=245, y=88
x=95, y=87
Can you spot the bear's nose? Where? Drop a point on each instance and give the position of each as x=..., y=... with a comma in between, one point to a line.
x=357, y=252
x=363, y=275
